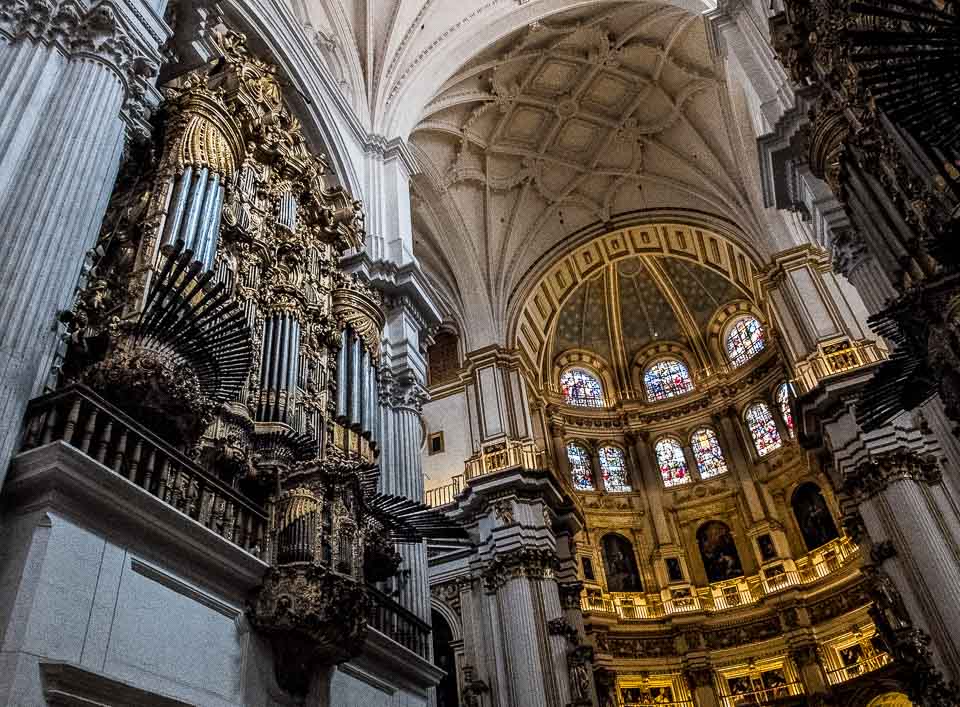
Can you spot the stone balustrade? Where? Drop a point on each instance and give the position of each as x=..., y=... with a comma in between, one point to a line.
x=79, y=417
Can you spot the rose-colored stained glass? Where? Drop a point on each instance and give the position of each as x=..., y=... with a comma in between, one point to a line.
x=707, y=452
x=667, y=379
x=581, y=388
x=614, y=468
x=673, y=465
x=744, y=340
x=580, y=470
x=763, y=429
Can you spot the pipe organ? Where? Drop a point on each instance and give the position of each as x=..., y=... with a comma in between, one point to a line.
x=216, y=315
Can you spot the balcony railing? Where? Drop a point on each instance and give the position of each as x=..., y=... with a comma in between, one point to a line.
x=762, y=697
x=680, y=703
x=849, y=672
x=79, y=417
x=726, y=596
x=398, y=623
x=505, y=455
x=834, y=359
x=442, y=495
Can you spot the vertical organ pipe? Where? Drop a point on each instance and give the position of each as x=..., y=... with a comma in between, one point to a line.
x=362, y=389
x=204, y=215
x=354, y=400
x=178, y=204
x=265, y=367
x=191, y=219
x=342, y=374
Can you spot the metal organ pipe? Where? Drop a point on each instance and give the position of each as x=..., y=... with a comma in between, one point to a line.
x=354, y=379
x=342, y=374
x=194, y=206
x=178, y=204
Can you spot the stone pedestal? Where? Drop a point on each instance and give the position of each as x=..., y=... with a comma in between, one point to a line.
x=72, y=83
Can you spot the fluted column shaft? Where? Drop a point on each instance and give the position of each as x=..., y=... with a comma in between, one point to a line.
x=524, y=663
x=898, y=504
x=61, y=139
x=402, y=475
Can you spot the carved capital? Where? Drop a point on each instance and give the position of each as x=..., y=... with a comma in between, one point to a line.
x=534, y=563
x=90, y=31
x=875, y=475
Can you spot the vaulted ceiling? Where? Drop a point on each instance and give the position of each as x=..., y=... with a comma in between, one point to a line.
x=566, y=123
x=532, y=120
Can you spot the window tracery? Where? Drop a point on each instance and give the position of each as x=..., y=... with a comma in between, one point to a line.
x=613, y=466
x=580, y=387
x=667, y=378
x=783, y=400
x=745, y=339
x=763, y=428
x=580, y=470
x=673, y=465
x=707, y=452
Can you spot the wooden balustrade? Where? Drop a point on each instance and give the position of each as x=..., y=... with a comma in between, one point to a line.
x=79, y=417
x=398, y=623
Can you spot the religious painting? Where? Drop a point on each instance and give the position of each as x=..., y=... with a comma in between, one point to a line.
x=719, y=552
x=813, y=516
x=674, y=571
x=588, y=569
x=768, y=550
x=620, y=564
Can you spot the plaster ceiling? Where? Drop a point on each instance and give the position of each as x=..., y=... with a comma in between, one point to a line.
x=568, y=122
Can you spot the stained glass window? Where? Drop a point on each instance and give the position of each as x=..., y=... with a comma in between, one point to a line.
x=744, y=340
x=580, y=467
x=667, y=378
x=581, y=388
x=763, y=429
x=783, y=400
x=707, y=452
x=673, y=465
x=614, y=469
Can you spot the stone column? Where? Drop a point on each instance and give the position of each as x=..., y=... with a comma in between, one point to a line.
x=402, y=475
x=652, y=489
x=733, y=444
x=700, y=680
x=72, y=83
x=893, y=491
x=812, y=675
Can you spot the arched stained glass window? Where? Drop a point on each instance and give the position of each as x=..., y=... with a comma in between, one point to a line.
x=707, y=452
x=581, y=387
x=667, y=378
x=673, y=465
x=783, y=400
x=613, y=465
x=580, y=469
x=763, y=428
x=744, y=340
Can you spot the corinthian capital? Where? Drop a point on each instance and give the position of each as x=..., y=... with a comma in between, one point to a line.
x=97, y=30
x=875, y=475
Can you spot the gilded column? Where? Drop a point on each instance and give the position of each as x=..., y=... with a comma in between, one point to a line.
x=72, y=82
